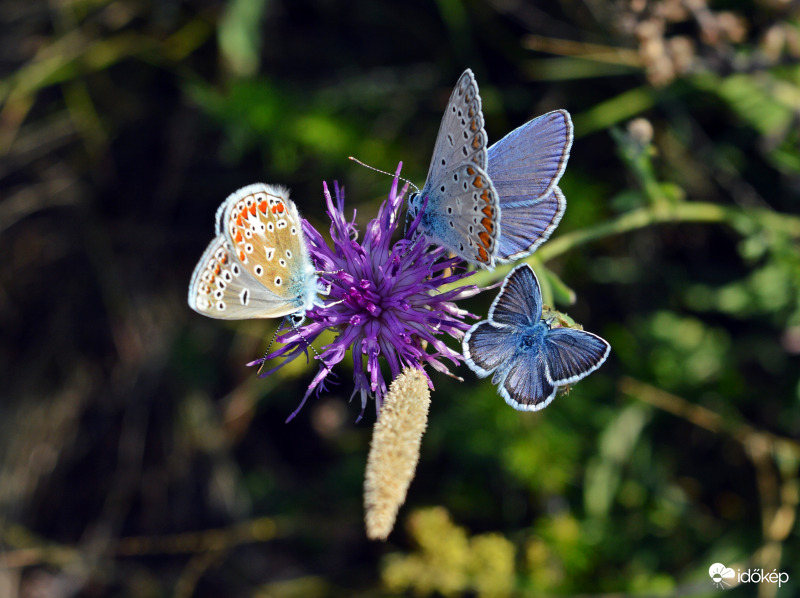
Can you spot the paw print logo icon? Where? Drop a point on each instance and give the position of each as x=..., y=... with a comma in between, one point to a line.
x=719, y=573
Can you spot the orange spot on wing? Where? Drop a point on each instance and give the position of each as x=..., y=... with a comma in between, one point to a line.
x=488, y=211
x=488, y=224
x=274, y=209
x=242, y=256
x=476, y=142
x=263, y=206
x=280, y=208
x=470, y=170
x=223, y=259
x=239, y=238
x=485, y=238
x=478, y=182
x=239, y=220
x=483, y=255
x=217, y=270
x=253, y=209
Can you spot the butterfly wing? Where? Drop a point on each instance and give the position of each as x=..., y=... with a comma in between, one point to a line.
x=526, y=226
x=265, y=231
x=461, y=215
x=221, y=288
x=528, y=162
x=519, y=302
x=462, y=138
x=487, y=346
x=523, y=384
x=573, y=354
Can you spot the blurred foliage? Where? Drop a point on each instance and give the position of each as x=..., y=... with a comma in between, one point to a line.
x=139, y=457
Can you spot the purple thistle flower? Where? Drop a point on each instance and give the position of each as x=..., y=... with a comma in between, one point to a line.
x=384, y=301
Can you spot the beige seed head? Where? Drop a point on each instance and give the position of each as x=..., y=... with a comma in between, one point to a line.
x=394, y=451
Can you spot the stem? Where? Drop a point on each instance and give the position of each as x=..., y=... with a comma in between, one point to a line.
x=741, y=219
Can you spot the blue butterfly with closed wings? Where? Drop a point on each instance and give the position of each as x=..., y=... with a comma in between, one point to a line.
x=529, y=359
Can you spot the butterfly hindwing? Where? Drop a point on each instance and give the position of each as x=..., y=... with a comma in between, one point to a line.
x=221, y=288
x=462, y=214
x=573, y=354
x=525, y=227
x=524, y=384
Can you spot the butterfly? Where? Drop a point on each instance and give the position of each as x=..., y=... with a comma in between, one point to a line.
x=258, y=265
x=491, y=204
x=529, y=358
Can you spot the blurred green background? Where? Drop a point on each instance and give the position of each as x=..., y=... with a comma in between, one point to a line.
x=140, y=457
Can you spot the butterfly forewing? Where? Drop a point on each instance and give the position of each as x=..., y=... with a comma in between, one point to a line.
x=527, y=226
x=461, y=137
x=265, y=230
x=519, y=302
x=529, y=161
x=573, y=354
x=487, y=347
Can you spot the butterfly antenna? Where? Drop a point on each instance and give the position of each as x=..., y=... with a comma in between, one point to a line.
x=269, y=346
x=296, y=328
x=357, y=161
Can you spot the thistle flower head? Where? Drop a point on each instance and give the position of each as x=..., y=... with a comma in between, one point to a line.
x=384, y=300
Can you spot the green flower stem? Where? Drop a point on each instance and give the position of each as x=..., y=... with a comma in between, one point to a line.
x=743, y=220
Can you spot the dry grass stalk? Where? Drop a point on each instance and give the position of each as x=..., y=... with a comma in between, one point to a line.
x=394, y=451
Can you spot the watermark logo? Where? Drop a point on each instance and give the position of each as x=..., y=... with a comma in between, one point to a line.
x=724, y=577
x=720, y=574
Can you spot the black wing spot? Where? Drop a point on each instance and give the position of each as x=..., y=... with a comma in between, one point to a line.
x=449, y=210
x=441, y=188
x=452, y=225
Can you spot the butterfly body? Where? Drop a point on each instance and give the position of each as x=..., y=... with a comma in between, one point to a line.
x=258, y=265
x=528, y=357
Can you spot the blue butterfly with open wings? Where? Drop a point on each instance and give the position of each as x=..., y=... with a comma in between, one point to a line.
x=529, y=359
